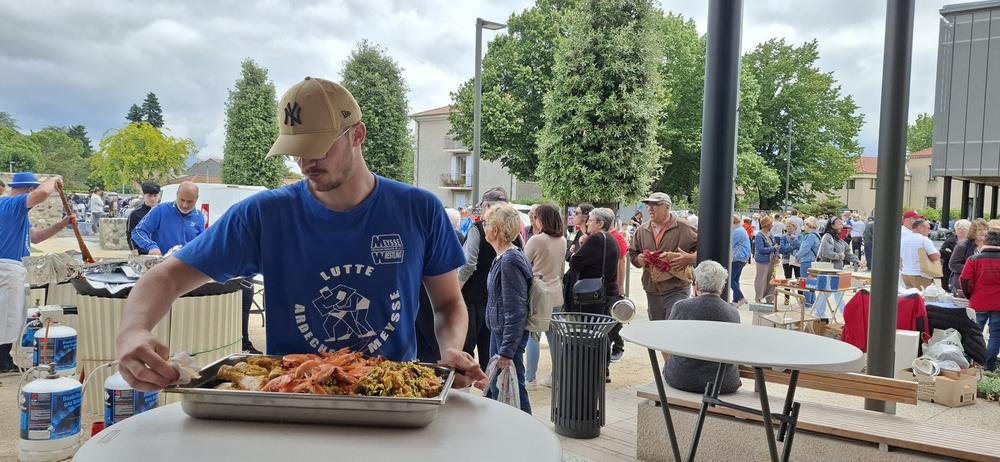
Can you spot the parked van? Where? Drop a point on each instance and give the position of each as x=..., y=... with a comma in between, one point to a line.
x=213, y=199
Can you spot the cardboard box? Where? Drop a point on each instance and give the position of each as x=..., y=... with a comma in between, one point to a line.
x=946, y=391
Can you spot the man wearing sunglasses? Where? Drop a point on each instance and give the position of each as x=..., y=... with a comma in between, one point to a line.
x=344, y=253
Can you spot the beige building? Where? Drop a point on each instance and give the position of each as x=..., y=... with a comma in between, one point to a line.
x=921, y=189
x=443, y=165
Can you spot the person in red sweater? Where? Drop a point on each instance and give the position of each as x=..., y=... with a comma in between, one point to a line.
x=981, y=283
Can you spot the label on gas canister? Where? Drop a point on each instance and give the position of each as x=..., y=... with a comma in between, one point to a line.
x=122, y=404
x=50, y=416
x=28, y=339
x=61, y=351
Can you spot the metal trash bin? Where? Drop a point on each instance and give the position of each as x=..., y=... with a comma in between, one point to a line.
x=582, y=348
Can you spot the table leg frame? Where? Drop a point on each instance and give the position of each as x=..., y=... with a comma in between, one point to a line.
x=655, y=363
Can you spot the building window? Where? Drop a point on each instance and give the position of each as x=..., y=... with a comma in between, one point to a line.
x=850, y=184
x=931, y=202
x=874, y=183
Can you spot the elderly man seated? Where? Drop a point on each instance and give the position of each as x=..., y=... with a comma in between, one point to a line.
x=693, y=374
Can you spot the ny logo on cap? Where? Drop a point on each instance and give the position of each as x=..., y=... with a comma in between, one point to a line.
x=293, y=114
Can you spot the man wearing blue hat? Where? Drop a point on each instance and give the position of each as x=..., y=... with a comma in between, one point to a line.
x=16, y=237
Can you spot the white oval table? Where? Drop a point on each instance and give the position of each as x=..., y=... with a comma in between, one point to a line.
x=467, y=428
x=756, y=346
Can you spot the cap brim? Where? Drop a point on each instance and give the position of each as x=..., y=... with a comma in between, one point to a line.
x=304, y=145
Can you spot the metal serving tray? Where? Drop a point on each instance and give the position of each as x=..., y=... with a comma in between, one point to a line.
x=199, y=399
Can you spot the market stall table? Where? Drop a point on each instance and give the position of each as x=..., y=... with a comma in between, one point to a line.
x=756, y=346
x=467, y=428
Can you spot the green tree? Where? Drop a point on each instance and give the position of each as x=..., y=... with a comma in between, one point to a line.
x=18, y=152
x=62, y=155
x=599, y=139
x=151, y=111
x=79, y=133
x=826, y=123
x=920, y=135
x=139, y=152
x=7, y=121
x=830, y=206
x=134, y=114
x=517, y=73
x=251, y=130
x=376, y=81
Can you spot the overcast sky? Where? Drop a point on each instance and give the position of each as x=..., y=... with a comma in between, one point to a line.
x=65, y=63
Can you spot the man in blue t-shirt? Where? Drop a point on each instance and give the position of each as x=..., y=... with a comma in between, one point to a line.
x=171, y=223
x=16, y=237
x=343, y=251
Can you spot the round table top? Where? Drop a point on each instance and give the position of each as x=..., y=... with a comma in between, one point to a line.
x=758, y=346
x=468, y=427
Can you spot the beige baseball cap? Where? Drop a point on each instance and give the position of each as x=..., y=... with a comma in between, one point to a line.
x=311, y=115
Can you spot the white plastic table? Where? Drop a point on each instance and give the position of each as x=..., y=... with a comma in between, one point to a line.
x=467, y=428
x=756, y=346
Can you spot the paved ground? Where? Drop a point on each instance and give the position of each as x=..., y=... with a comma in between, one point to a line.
x=634, y=369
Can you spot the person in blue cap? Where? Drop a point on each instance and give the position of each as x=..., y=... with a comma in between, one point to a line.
x=16, y=237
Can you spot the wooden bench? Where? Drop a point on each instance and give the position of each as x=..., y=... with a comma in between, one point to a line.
x=885, y=430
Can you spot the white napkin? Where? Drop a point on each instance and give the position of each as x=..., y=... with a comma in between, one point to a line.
x=187, y=369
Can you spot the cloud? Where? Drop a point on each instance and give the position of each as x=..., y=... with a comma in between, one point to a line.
x=86, y=62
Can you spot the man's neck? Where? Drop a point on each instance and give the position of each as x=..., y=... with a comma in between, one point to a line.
x=663, y=223
x=351, y=193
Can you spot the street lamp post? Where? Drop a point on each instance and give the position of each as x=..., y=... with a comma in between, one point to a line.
x=788, y=162
x=477, y=107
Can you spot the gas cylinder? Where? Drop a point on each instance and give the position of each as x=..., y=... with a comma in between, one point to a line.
x=56, y=345
x=121, y=401
x=50, y=417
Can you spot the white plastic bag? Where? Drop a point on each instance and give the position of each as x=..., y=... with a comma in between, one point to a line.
x=506, y=383
x=951, y=336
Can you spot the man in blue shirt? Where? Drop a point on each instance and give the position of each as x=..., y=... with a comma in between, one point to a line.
x=171, y=223
x=16, y=237
x=343, y=251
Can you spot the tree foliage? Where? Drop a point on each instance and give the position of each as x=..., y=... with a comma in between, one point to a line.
x=251, y=129
x=376, y=81
x=829, y=206
x=826, y=123
x=517, y=73
x=79, y=133
x=139, y=152
x=599, y=139
x=134, y=114
x=7, y=121
x=151, y=111
x=18, y=152
x=63, y=155
x=920, y=135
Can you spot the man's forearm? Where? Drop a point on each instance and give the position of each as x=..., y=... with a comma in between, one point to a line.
x=44, y=234
x=451, y=323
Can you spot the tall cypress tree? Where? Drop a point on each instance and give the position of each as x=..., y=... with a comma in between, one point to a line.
x=151, y=110
x=599, y=141
x=251, y=130
x=376, y=81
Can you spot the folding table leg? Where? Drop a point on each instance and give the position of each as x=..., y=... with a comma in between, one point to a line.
x=789, y=398
x=711, y=391
x=765, y=410
x=786, y=452
x=663, y=404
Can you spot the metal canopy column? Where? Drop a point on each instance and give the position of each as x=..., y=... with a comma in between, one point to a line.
x=891, y=161
x=993, y=203
x=718, y=130
x=965, y=199
x=980, y=200
x=946, y=202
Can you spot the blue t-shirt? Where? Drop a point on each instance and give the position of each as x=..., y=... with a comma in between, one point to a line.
x=15, y=229
x=334, y=279
x=165, y=227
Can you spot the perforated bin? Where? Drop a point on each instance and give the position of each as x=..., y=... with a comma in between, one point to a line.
x=582, y=348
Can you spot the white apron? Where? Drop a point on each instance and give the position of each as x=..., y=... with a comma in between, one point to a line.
x=12, y=314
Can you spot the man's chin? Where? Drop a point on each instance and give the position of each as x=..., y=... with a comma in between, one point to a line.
x=324, y=186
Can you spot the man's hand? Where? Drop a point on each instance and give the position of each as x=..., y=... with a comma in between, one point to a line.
x=155, y=251
x=142, y=360
x=642, y=260
x=467, y=371
x=503, y=362
x=68, y=220
x=685, y=259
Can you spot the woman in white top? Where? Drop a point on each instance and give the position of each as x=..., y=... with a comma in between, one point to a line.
x=545, y=250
